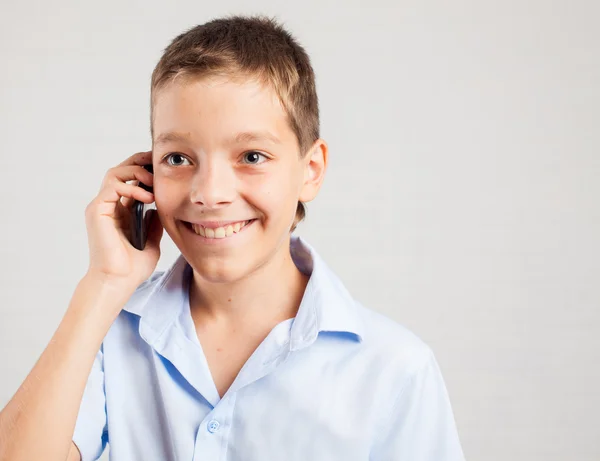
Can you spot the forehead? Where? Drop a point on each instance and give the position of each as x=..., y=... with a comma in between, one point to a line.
x=213, y=108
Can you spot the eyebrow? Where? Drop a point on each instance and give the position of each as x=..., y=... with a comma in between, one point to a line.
x=239, y=138
x=172, y=136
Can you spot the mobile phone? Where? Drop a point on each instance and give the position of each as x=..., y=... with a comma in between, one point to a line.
x=140, y=218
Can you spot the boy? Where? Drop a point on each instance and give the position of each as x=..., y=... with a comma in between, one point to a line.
x=248, y=347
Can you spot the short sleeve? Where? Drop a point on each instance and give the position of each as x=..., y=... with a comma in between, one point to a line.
x=91, y=433
x=421, y=425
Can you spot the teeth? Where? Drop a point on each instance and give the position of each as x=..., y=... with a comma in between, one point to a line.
x=219, y=232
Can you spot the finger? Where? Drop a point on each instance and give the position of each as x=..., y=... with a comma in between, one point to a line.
x=140, y=158
x=113, y=193
x=128, y=173
x=124, y=216
x=139, y=173
x=127, y=202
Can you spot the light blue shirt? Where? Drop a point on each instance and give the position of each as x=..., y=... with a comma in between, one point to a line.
x=337, y=382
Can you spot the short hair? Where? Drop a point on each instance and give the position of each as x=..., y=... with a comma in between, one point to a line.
x=254, y=47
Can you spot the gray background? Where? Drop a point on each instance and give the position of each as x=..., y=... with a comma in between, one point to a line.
x=461, y=198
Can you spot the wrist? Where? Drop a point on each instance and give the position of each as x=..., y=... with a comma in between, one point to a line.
x=107, y=283
x=101, y=297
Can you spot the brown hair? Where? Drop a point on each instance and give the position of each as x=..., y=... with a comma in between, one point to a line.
x=253, y=47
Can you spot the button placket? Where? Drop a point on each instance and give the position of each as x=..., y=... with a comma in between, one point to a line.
x=212, y=434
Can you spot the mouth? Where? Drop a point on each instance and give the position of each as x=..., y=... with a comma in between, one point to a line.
x=219, y=233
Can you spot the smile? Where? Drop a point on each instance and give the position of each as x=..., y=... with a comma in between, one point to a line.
x=220, y=232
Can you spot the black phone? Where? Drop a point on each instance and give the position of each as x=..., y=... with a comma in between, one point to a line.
x=140, y=218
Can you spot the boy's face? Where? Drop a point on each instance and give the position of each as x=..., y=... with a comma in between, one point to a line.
x=224, y=151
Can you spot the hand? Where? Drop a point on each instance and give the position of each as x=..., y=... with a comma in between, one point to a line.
x=108, y=221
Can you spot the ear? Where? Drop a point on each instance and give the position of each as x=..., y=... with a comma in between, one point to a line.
x=314, y=165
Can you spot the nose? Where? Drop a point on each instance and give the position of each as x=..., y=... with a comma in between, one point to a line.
x=213, y=184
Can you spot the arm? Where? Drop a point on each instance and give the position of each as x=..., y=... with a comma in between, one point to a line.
x=38, y=422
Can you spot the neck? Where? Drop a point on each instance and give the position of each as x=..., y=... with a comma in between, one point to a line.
x=267, y=296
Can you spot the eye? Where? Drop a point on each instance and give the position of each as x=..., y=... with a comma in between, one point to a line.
x=177, y=158
x=254, y=157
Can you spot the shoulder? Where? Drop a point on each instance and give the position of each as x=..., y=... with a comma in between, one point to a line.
x=127, y=324
x=143, y=292
x=394, y=359
x=392, y=345
x=150, y=282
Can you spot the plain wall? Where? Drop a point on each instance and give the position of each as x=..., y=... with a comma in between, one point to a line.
x=461, y=198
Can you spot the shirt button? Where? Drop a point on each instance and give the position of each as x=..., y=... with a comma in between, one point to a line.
x=213, y=426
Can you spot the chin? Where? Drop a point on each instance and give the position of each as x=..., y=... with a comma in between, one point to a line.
x=213, y=270
x=227, y=260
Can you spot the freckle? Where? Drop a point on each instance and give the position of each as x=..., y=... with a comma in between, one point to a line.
x=229, y=300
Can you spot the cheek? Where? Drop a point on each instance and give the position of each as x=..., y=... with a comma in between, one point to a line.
x=168, y=198
x=276, y=193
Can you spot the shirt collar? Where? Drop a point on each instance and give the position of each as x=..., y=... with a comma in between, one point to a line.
x=326, y=306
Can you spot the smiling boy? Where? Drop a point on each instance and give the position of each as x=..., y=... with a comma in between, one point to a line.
x=248, y=347
x=228, y=178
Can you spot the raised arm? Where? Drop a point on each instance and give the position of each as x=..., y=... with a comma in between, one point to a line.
x=39, y=421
